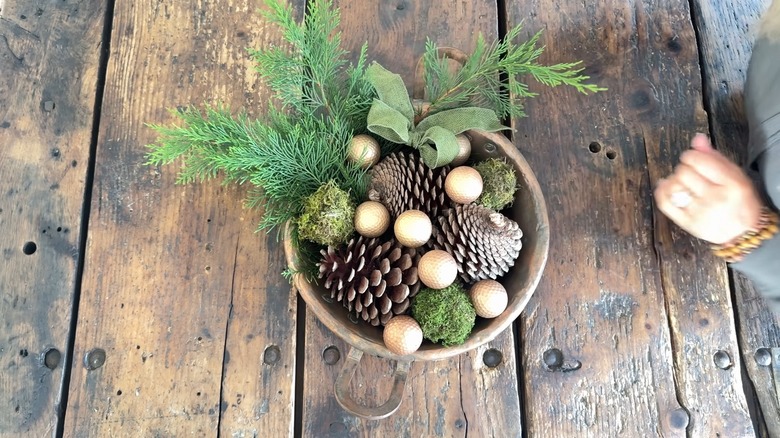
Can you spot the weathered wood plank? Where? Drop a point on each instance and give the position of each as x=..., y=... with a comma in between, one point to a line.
x=453, y=397
x=759, y=329
x=641, y=306
x=258, y=383
x=726, y=33
x=174, y=275
x=49, y=59
x=695, y=283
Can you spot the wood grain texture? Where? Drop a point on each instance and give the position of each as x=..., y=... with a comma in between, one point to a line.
x=638, y=303
x=178, y=291
x=726, y=41
x=455, y=397
x=49, y=56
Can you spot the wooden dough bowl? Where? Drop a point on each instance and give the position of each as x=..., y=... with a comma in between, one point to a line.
x=528, y=210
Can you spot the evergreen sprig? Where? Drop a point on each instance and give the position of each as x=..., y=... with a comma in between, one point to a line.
x=290, y=153
x=312, y=75
x=479, y=81
x=285, y=159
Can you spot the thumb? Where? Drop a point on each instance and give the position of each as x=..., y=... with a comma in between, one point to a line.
x=701, y=143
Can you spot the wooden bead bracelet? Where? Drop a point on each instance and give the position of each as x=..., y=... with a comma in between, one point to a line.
x=736, y=250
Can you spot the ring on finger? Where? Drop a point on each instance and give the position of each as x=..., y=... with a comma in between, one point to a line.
x=681, y=198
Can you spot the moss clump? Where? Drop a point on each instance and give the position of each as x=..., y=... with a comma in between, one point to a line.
x=499, y=183
x=445, y=315
x=328, y=216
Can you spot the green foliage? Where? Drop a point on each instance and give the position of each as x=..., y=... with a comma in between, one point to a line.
x=478, y=81
x=311, y=74
x=293, y=152
x=286, y=160
x=328, y=216
x=392, y=117
x=445, y=315
x=499, y=183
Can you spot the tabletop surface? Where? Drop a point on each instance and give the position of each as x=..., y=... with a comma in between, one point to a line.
x=131, y=306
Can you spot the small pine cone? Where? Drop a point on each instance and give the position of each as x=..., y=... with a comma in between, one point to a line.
x=401, y=181
x=484, y=243
x=374, y=279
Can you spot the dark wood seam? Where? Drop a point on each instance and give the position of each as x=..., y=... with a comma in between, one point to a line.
x=68, y=363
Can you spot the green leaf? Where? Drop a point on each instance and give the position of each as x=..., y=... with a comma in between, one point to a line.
x=391, y=89
x=458, y=120
x=388, y=123
x=446, y=147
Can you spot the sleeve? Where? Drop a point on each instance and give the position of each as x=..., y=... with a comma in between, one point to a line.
x=762, y=106
x=762, y=98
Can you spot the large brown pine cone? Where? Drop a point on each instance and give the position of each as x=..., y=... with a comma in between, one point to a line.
x=401, y=181
x=484, y=243
x=375, y=279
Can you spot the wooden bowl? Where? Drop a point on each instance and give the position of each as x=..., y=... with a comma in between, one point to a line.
x=528, y=210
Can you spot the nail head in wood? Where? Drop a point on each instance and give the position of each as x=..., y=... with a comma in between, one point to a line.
x=94, y=359
x=722, y=360
x=51, y=358
x=679, y=418
x=553, y=358
x=763, y=357
x=271, y=355
x=337, y=428
x=331, y=355
x=492, y=358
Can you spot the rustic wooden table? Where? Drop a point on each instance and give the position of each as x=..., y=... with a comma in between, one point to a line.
x=133, y=307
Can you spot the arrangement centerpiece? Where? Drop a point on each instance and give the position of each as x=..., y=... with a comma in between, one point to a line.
x=413, y=228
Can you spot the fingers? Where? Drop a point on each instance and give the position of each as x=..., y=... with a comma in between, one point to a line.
x=701, y=143
x=711, y=165
x=692, y=180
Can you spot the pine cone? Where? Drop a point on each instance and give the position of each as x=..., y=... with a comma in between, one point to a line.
x=375, y=279
x=484, y=243
x=403, y=182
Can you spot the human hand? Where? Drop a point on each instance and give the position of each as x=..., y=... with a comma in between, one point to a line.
x=709, y=196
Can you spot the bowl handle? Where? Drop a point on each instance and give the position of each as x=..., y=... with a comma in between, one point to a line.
x=344, y=398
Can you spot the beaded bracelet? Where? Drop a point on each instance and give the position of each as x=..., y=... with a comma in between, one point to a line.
x=736, y=250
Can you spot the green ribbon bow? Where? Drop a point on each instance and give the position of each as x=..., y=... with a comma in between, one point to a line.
x=392, y=117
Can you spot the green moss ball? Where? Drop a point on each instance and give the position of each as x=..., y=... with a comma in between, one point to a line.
x=500, y=183
x=445, y=315
x=328, y=216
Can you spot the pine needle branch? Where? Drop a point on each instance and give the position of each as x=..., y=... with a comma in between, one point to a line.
x=290, y=153
x=477, y=82
x=312, y=75
x=285, y=160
